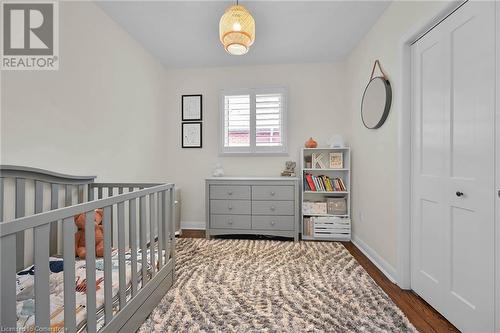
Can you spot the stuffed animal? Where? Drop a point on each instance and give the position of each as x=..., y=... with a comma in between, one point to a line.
x=80, y=249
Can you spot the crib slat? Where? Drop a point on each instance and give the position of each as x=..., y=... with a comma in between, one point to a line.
x=69, y=274
x=171, y=206
x=41, y=254
x=54, y=204
x=90, y=272
x=133, y=243
x=90, y=192
x=110, y=194
x=166, y=230
x=80, y=190
x=68, y=195
x=159, y=223
x=1, y=199
x=121, y=254
x=38, y=197
x=20, y=211
x=8, y=282
x=152, y=222
x=54, y=196
x=143, y=231
x=108, y=283
x=42, y=302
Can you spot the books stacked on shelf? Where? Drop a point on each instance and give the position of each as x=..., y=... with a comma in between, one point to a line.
x=323, y=183
x=308, y=227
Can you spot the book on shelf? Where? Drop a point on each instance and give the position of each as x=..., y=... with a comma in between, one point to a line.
x=310, y=182
x=308, y=227
x=323, y=183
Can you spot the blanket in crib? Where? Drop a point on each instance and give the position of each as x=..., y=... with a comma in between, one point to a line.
x=25, y=285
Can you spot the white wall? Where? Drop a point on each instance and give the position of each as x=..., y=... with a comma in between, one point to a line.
x=114, y=111
x=375, y=152
x=316, y=107
x=103, y=111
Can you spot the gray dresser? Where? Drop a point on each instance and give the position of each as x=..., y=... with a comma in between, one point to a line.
x=252, y=205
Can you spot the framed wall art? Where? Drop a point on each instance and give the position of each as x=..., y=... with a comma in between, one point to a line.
x=192, y=135
x=336, y=160
x=192, y=107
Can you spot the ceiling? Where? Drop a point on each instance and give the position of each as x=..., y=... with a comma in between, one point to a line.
x=185, y=33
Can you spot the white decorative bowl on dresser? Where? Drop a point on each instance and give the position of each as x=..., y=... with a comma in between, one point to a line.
x=252, y=205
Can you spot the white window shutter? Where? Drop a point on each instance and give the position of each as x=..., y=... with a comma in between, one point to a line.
x=269, y=120
x=237, y=121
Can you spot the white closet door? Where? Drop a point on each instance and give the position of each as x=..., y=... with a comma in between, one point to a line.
x=454, y=166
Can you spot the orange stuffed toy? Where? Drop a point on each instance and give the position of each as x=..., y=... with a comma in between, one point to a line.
x=80, y=249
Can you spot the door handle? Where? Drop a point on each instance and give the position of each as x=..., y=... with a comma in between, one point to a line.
x=459, y=194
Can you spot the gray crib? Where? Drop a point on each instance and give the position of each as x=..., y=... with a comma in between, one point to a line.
x=138, y=229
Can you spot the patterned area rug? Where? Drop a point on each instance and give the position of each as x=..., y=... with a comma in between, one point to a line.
x=272, y=286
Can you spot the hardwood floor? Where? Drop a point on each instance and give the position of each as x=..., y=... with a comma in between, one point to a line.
x=420, y=314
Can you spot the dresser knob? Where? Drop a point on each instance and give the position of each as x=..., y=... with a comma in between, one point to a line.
x=273, y=208
x=230, y=207
x=230, y=193
x=273, y=222
x=230, y=222
x=273, y=193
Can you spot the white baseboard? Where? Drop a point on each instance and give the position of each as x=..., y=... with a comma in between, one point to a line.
x=195, y=225
x=375, y=258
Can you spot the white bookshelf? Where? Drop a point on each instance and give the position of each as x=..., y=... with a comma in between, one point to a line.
x=337, y=227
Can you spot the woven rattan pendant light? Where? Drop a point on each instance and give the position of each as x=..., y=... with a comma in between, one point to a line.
x=237, y=30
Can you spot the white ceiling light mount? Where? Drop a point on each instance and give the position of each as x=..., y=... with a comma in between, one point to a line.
x=237, y=30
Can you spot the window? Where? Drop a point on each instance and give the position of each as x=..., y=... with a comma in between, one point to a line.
x=253, y=121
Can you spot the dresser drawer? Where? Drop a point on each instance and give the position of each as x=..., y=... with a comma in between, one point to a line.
x=272, y=208
x=230, y=222
x=277, y=192
x=272, y=222
x=240, y=207
x=230, y=192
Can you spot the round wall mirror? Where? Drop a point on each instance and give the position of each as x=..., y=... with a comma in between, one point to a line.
x=376, y=102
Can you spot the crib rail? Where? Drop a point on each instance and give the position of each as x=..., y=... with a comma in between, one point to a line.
x=73, y=188
x=139, y=209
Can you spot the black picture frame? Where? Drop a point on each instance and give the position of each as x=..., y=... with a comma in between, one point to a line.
x=201, y=108
x=201, y=134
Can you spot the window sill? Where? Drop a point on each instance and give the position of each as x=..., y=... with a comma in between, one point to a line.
x=251, y=154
